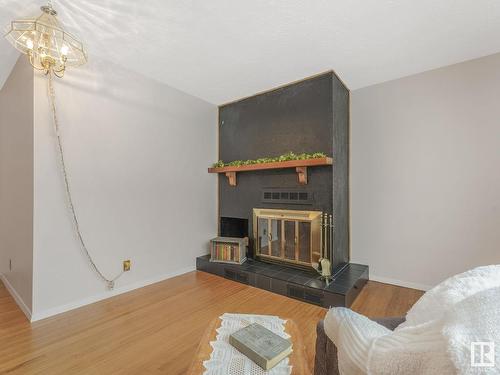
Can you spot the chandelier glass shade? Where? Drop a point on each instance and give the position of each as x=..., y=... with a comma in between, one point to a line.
x=48, y=46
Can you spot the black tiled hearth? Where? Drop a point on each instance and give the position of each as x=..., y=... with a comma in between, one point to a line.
x=348, y=280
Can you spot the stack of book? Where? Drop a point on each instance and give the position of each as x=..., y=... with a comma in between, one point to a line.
x=228, y=250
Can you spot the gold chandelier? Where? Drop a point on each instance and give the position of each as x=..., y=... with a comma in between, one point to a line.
x=48, y=46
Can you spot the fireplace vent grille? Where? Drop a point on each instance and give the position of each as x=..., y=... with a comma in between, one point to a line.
x=286, y=196
x=303, y=294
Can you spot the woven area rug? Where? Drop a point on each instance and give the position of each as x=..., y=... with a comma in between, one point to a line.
x=226, y=360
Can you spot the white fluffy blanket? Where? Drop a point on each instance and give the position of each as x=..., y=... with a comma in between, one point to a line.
x=436, y=337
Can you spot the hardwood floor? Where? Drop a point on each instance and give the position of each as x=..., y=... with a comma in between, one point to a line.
x=157, y=329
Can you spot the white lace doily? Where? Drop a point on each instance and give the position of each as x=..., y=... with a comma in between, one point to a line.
x=226, y=360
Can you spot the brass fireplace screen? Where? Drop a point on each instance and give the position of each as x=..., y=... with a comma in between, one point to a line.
x=287, y=236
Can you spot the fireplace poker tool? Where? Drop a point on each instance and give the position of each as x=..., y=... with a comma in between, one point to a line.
x=324, y=263
x=332, y=233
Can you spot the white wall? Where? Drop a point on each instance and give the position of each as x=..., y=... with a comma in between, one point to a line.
x=16, y=184
x=426, y=173
x=137, y=153
x=7, y=61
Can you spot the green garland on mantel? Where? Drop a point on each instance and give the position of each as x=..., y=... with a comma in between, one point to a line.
x=285, y=157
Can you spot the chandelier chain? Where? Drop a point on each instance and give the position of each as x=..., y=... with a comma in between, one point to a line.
x=52, y=98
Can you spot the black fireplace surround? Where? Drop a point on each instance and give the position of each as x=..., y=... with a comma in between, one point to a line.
x=308, y=116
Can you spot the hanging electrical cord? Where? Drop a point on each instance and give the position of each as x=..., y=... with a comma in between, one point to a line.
x=51, y=49
x=52, y=99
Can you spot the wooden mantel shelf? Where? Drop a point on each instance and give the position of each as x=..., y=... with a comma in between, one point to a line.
x=299, y=165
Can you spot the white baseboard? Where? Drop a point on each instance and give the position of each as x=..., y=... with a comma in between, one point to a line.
x=39, y=315
x=22, y=305
x=402, y=283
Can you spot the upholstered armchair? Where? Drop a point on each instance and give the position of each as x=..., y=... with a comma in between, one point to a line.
x=326, y=362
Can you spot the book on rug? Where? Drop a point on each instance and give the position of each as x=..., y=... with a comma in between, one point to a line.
x=261, y=345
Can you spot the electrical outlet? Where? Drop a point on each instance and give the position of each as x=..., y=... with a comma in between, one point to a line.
x=126, y=265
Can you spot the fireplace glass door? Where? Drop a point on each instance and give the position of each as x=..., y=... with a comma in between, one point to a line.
x=290, y=241
x=304, y=251
x=270, y=237
x=263, y=238
x=286, y=236
x=275, y=237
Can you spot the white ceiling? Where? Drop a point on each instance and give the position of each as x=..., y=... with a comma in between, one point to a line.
x=222, y=50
